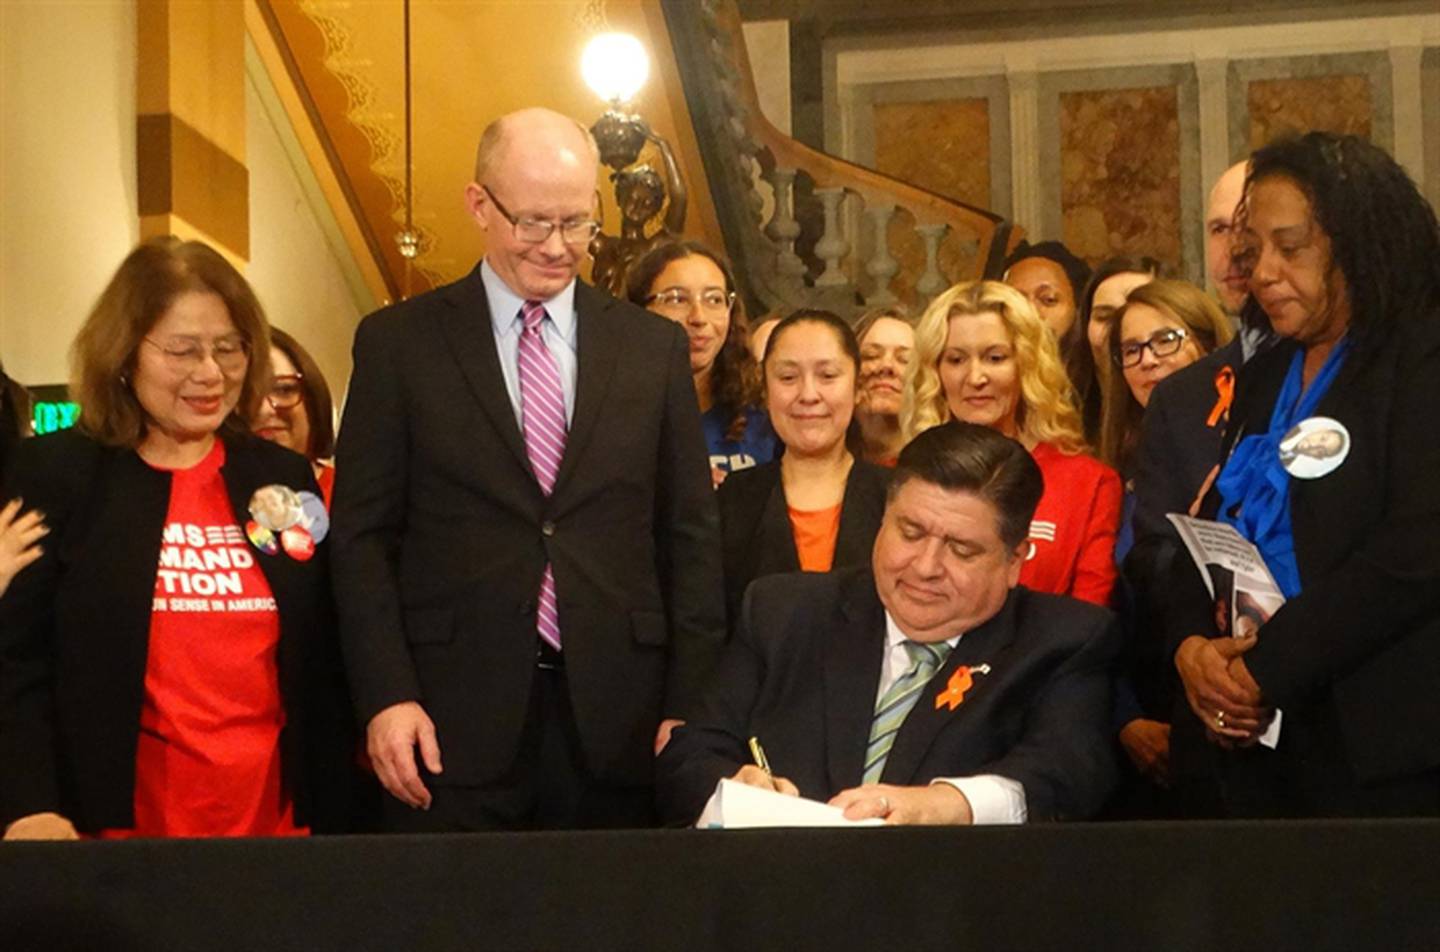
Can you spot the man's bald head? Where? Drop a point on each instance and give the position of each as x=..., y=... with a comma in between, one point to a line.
x=534, y=128
x=1225, y=195
x=534, y=169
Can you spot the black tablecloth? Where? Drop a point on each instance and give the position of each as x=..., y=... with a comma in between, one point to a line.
x=1233, y=886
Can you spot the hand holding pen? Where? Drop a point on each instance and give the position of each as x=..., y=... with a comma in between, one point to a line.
x=758, y=774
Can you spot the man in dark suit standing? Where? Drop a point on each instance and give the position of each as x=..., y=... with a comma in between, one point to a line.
x=928, y=688
x=525, y=539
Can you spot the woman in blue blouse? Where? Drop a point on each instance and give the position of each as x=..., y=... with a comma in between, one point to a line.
x=1343, y=257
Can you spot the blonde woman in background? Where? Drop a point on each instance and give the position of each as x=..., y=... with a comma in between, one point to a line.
x=983, y=355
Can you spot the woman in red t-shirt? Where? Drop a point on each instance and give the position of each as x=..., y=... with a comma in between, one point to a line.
x=983, y=355
x=168, y=667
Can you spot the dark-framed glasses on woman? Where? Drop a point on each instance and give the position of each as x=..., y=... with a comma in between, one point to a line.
x=285, y=392
x=1161, y=344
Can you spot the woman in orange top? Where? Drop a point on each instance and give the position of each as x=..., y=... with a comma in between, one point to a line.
x=818, y=507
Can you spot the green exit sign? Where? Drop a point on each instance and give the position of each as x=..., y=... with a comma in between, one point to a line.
x=51, y=416
x=53, y=408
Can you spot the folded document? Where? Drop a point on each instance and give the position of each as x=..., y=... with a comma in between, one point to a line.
x=739, y=806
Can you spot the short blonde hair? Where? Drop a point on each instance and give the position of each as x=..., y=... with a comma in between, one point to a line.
x=1046, y=411
x=104, y=354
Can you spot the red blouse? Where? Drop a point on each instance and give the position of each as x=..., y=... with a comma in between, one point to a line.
x=1072, y=537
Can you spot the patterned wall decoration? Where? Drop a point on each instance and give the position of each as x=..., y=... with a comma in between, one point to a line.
x=1329, y=103
x=943, y=146
x=1120, y=172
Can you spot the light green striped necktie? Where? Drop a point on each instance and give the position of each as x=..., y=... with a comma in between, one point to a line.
x=895, y=704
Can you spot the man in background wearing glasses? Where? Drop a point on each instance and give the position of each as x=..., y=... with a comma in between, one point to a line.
x=525, y=539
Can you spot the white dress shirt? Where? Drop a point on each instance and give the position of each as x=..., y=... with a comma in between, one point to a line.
x=993, y=799
x=558, y=333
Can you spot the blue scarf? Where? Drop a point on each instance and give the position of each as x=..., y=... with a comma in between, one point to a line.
x=1254, y=479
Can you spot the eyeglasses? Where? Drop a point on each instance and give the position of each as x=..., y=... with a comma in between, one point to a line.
x=231, y=354
x=1161, y=344
x=286, y=392
x=576, y=231
x=679, y=300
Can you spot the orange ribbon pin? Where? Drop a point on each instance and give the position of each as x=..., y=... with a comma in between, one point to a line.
x=961, y=680
x=1225, y=388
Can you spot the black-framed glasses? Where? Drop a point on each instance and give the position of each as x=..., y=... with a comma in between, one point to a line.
x=680, y=300
x=577, y=231
x=230, y=353
x=286, y=392
x=1161, y=344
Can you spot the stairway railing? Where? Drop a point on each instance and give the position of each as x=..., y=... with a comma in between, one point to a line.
x=804, y=228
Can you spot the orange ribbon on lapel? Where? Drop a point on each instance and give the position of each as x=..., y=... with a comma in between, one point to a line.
x=1225, y=389
x=961, y=681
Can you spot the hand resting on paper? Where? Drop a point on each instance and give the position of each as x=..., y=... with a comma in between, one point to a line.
x=937, y=804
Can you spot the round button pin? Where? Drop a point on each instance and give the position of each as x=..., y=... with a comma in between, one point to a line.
x=298, y=544
x=275, y=507
x=261, y=537
x=1314, y=447
x=314, y=519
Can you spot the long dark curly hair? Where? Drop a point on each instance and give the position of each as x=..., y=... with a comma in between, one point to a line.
x=1384, y=238
x=734, y=377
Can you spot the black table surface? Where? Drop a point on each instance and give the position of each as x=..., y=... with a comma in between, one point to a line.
x=1310, y=885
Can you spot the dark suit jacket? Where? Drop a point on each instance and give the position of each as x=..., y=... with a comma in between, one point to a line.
x=1360, y=645
x=1178, y=448
x=75, y=626
x=802, y=673
x=442, y=533
x=755, y=532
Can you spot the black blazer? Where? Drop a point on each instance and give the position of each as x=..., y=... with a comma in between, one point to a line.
x=1359, y=647
x=442, y=533
x=756, y=536
x=1178, y=448
x=804, y=666
x=74, y=631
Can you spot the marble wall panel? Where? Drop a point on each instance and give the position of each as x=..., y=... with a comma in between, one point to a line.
x=1120, y=172
x=942, y=145
x=1292, y=105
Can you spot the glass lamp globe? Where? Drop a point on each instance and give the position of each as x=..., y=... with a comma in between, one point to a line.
x=615, y=66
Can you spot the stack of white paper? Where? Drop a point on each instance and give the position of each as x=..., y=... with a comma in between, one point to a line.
x=738, y=806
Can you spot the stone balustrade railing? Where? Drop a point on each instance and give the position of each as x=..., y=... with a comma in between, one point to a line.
x=803, y=228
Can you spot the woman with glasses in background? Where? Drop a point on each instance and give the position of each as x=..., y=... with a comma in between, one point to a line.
x=298, y=412
x=169, y=667
x=1161, y=327
x=694, y=287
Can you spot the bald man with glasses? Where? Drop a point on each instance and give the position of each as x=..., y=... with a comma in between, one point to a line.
x=525, y=538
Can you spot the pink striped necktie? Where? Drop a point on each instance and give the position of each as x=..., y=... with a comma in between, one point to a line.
x=542, y=415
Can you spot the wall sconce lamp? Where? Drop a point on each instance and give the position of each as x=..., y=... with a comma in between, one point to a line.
x=615, y=66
